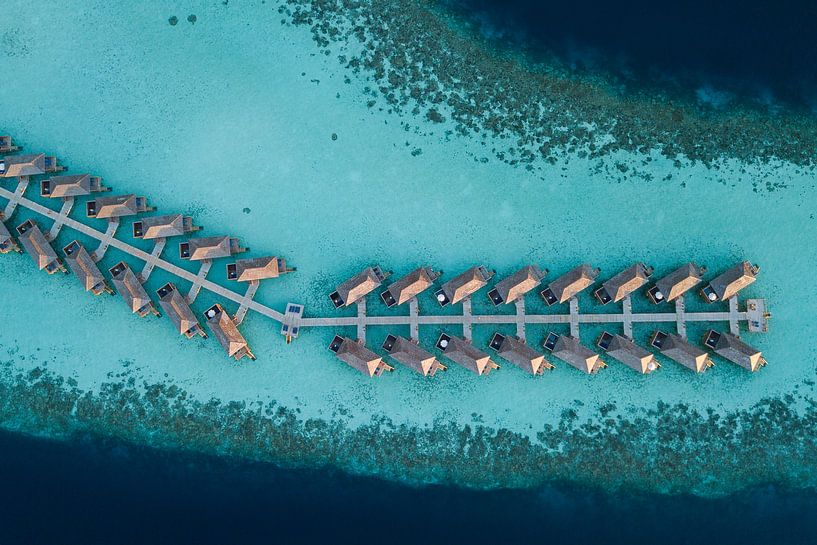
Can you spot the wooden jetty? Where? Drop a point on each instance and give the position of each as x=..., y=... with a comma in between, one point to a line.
x=515, y=351
x=226, y=332
x=463, y=286
x=676, y=283
x=85, y=269
x=623, y=284
x=727, y=285
x=461, y=351
x=571, y=351
x=170, y=225
x=36, y=245
x=179, y=312
x=410, y=286
x=510, y=289
x=73, y=185
x=131, y=290
x=357, y=356
x=357, y=287
x=409, y=353
x=570, y=284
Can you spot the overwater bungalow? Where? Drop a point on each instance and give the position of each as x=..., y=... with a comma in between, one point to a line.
x=175, y=306
x=627, y=352
x=357, y=287
x=517, y=285
x=75, y=185
x=7, y=243
x=257, y=269
x=462, y=286
x=731, y=347
x=729, y=283
x=171, y=225
x=358, y=356
x=409, y=353
x=676, y=283
x=199, y=249
x=118, y=206
x=520, y=354
x=85, y=268
x=571, y=351
x=623, y=284
x=682, y=351
x=567, y=286
x=7, y=145
x=409, y=286
x=226, y=331
x=38, y=247
x=132, y=290
x=463, y=352
x=18, y=166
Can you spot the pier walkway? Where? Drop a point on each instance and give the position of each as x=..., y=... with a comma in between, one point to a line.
x=755, y=315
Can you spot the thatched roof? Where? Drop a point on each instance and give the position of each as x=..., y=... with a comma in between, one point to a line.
x=175, y=306
x=466, y=284
x=520, y=354
x=411, y=355
x=570, y=350
x=257, y=268
x=463, y=352
x=23, y=165
x=626, y=282
x=679, y=281
x=733, y=280
x=128, y=285
x=79, y=261
x=36, y=245
x=630, y=354
x=412, y=284
x=226, y=332
x=116, y=206
x=571, y=283
x=171, y=225
x=732, y=348
x=360, y=285
x=518, y=284
x=359, y=357
x=682, y=351
x=209, y=248
x=74, y=185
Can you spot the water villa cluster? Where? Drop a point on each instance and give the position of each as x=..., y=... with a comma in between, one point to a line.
x=616, y=342
x=618, y=346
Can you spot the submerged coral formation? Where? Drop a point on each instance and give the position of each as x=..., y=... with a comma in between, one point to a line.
x=665, y=448
x=420, y=62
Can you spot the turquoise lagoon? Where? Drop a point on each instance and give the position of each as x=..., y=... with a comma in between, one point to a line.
x=231, y=119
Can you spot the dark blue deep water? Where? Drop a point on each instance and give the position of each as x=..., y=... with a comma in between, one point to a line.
x=756, y=49
x=92, y=490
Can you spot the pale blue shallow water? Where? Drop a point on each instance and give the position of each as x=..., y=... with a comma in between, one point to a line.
x=237, y=111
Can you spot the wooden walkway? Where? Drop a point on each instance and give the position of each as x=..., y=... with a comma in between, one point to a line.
x=679, y=317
